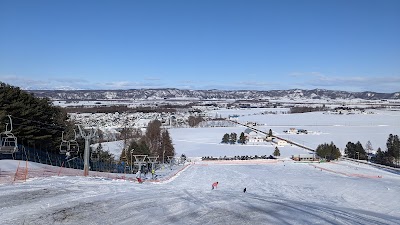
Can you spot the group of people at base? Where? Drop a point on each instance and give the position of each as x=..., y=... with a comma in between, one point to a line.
x=215, y=185
x=139, y=175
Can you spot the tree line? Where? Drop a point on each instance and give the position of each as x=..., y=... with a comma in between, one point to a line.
x=233, y=139
x=155, y=142
x=388, y=157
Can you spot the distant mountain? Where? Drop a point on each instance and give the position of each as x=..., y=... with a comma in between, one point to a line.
x=171, y=93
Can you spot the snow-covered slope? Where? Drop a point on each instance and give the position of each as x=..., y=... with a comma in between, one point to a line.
x=279, y=193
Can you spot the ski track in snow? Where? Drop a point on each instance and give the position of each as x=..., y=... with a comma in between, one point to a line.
x=279, y=193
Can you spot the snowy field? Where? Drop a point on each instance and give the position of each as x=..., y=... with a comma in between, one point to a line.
x=277, y=193
x=324, y=128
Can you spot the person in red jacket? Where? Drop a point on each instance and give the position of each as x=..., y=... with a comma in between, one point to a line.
x=214, y=185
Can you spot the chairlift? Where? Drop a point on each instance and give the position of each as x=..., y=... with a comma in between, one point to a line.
x=94, y=155
x=9, y=144
x=73, y=145
x=64, y=146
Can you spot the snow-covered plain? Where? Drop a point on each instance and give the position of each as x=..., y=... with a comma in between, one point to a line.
x=278, y=191
x=340, y=129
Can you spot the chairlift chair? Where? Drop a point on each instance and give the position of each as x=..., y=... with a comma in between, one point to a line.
x=94, y=155
x=64, y=146
x=73, y=145
x=9, y=144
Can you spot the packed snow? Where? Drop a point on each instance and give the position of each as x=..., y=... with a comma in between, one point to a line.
x=283, y=192
x=278, y=191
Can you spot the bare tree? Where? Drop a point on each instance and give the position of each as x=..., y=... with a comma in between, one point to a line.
x=368, y=148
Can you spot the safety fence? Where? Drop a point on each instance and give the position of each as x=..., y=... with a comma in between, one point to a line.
x=346, y=174
x=373, y=164
x=172, y=175
x=24, y=172
x=54, y=159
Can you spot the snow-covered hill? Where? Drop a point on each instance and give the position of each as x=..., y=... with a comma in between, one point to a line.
x=172, y=93
x=277, y=193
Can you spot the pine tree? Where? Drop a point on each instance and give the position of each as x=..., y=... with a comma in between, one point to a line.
x=328, y=151
x=225, y=139
x=242, y=138
x=99, y=147
x=389, y=145
x=360, y=152
x=270, y=133
x=140, y=148
x=277, y=152
x=393, y=148
x=379, y=156
x=232, y=138
x=350, y=150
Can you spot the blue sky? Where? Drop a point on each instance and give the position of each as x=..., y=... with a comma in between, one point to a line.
x=351, y=45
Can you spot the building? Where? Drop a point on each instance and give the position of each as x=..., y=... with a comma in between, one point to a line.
x=254, y=138
x=305, y=157
x=279, y=142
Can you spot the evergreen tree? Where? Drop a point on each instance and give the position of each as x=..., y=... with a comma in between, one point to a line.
x=350, y=150
x=396, y=148
x=389, y=145
x=270, y=133
x=379, y=156
x=134, y=148
x=99, y=147
x=242, y=138
x=232, y=138
x=106, y=156
x=225, y=138
x=123, y=156
x=139, y=148
x=34, y=119
x=328, y=151
x=360, y=152
x=393, y=149
x=103, y=155
x=277, y=152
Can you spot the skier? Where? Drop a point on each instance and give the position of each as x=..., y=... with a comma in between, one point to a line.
x=244, y=190
x=138, y=176
x=214, y=185
x=67, y=155
x=153, y=173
